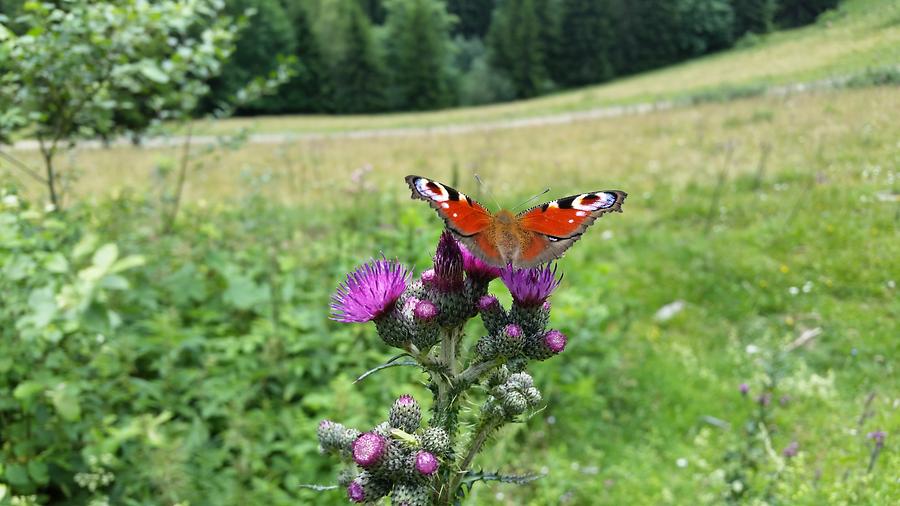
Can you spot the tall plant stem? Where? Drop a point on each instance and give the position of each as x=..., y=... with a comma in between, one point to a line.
x=484, y=430
x=182, y=177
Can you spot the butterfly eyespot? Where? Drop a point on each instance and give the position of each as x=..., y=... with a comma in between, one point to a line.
x=579, y=213
x=445, y=205
x=455, y=215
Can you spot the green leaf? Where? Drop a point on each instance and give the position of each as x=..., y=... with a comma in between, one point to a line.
x=57, y=263
x=26, y=390
x=65, y=400
x=106, y=256
x=128, y=262
x=152, y=72
x=38, y=472
x=243, y=293
x=84, y=246
x=17, y=476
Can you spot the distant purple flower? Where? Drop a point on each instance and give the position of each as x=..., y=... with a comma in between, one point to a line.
x=356, y=492
x=369, y=292
x=877, y=436
x=426, y=463
x=744, y=388
x=555, y=341
x=791, y=450
x=425, y=310
x=487, y=302
x=477, y=268
x=784, y=400
x=368, y=449
x=448, y=264
x=764, y=399
x=530, y=287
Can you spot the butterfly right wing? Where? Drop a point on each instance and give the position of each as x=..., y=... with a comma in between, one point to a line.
x=466, y=218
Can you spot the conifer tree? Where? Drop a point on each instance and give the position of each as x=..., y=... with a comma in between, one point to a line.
x=417, y=51
x=585, y=41
x=754, y=16
x=474, y=16
x=516, y=46
x=358, y=74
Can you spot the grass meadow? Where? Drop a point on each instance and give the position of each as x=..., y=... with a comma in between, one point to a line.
x=771, y=221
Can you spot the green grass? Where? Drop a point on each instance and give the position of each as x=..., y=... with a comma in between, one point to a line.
x=630, y=395
x=860, y=35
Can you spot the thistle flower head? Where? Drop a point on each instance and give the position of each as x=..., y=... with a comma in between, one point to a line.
x=744, y=388
x=426, y=463
x=477, y=268
x=428, y=276
x=368, y=449
x=555, y=341
x=877, y=436
x=513, y=330
x=487, y=302
x=355, y=492
x=791, y=450
x=405, y=414
x=530, y=287
x=448, y=264
x=369, y=292
x=425, y=310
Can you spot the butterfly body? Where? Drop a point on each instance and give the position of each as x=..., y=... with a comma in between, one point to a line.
x=527, y=239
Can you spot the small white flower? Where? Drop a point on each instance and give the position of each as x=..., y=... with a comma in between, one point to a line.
x=11, y=201
x=681, y=462
x=891, y=284
x=49, y=208
x=793, y=290
x=606, y=235
x=807, y=287
x=551, y=420
x=752, y=349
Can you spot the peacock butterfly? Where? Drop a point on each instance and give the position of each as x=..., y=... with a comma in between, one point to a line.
x=527, y=239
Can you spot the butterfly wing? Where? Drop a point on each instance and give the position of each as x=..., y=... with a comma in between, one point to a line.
x=555, y=226
x=466, y=218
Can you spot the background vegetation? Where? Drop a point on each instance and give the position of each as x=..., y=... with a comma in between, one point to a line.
x=157, y=357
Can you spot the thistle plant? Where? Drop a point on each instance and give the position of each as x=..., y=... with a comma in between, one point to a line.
x=422, y=460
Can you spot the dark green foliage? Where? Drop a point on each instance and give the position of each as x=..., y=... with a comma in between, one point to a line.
x=358, y=75
x=516, y=45
x=707, y=25
x=792, y=13
x=311, y=89
x=268, y=34
x=417, y=46
x=586, y=39
x=474, y=16
x=753, y=16
x=374, y=10
x=648, y=34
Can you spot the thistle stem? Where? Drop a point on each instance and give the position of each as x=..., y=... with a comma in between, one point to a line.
x=475, y=445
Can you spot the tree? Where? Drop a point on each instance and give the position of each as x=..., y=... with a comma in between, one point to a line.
x=96, y=69
x=417, y=50
x=474, y=16
x=268, y=35
x=708, y=25
x=516, y=47
x=585, y=42
x=648, y=34
x=753, y=16
x=358, y=74
x=311, y=89
x=793, y=13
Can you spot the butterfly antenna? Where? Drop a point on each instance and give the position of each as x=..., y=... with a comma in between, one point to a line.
x=487, y=190
x=532, y=198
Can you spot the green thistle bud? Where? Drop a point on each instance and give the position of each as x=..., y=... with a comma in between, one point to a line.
x=544, y=346
x=409, y=494
x=345, y=476
x=334, y=437
x=437, y=441
x=511, y=341
x=367, y=488
x=532, y=319
x=405, y=414
x=394, y=328
x=486, y=348
x=394, y=463
x=514, y=403
x=492, y=314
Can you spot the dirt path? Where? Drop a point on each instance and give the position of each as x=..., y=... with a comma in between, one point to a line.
x=450, y=129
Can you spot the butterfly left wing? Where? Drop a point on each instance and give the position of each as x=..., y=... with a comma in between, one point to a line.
x=555, y=226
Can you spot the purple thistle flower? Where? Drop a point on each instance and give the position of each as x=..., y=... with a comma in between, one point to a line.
x=355, y=492
x=487, y=302
x=791, y=450
x=513, y=330
x=744, y=388
x=448, y=264
x=368, y=449
x=425, y=310
x=555, y=341
x=426, y=463
x=405, y=400
x=428, y=276
x=764, y=399
x=877, y=436
x=369, y=292
x=546, y=306
x=477, y=268
x=530, y=287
